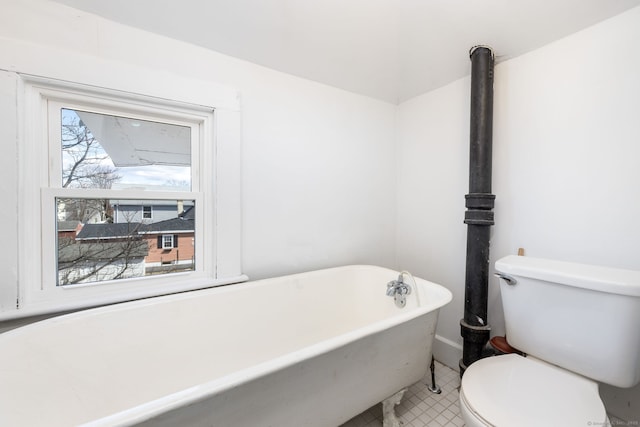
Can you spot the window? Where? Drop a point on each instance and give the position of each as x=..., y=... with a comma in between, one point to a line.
x=169, y=241
x=146, y=212
x=105, y=174
x=108, y=149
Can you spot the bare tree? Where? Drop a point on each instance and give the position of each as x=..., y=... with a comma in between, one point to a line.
x=100, y=260
x=84, y=167
x=84, y=159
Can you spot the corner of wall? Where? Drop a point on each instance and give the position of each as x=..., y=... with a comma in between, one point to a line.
x=447, y=352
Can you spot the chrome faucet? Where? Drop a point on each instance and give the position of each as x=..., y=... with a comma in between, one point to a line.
x=398, y=289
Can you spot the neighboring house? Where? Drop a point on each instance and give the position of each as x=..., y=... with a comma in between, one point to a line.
x=168, y=244
x=171, y=243
x=87, y=211
x=148, y=211
x=68, y=229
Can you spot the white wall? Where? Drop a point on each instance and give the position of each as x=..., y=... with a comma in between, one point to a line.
x=433, y=145
x=320, y=165
x=318, y=178
x=565, y=170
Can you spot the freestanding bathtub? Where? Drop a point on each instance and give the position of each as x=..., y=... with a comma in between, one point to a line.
x=312, y=349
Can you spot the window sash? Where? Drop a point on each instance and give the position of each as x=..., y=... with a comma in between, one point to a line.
x=54, y=105
x=49, y=235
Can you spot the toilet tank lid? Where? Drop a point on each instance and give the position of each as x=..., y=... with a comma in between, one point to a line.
x=593, y=277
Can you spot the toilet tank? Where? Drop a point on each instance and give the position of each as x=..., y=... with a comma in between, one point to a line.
x=583, y=318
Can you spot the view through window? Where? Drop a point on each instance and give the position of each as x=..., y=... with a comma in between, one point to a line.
x=113, y=237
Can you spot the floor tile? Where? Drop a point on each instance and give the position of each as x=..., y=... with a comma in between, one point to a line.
x=420, y=407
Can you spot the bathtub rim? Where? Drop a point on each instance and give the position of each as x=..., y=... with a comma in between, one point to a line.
x=199, y=392
x=213, y=289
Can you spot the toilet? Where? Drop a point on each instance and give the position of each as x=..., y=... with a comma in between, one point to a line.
x=577, y=326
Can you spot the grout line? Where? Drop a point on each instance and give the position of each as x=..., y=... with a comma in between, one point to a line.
x=420, y=407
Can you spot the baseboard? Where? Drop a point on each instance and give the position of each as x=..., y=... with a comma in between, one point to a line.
x=447, y=352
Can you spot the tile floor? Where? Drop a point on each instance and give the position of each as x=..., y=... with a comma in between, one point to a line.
x=419, y=407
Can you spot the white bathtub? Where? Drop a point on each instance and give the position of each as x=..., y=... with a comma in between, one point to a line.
x=312, y=349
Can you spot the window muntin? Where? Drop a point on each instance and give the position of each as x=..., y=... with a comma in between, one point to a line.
x=167, y=241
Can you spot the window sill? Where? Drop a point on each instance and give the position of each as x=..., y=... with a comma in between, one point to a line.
x=49, y=308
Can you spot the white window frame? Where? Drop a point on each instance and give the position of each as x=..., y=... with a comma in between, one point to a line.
x=217, y=197
x=164, y=241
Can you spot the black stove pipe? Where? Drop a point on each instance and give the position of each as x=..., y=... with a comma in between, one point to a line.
x=479, y=215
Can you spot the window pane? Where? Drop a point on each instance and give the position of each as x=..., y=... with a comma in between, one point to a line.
x=167, y=241
x=101, y=239
x=104, y=151
x=146, y=212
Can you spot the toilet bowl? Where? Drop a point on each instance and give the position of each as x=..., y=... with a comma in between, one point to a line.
x=512, y=390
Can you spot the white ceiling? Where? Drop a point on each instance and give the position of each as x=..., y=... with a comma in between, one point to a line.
x=387, y=49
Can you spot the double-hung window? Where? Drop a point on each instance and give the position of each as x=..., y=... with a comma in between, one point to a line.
x=108, y=154
x=112, y=181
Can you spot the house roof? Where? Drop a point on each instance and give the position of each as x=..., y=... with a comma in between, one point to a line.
x=171, y=225
x=153, y=203
x=133, y=142
x=68, y=225
x=182, y=224
x=189, y=213
x=109, y=231
x=102, y=251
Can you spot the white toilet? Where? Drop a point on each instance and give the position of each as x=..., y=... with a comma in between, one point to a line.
x=577, y=324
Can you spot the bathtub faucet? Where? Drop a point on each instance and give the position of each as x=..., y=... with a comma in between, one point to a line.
x=398, y=289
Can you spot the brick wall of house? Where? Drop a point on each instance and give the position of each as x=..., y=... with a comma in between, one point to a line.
x=184, y=252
